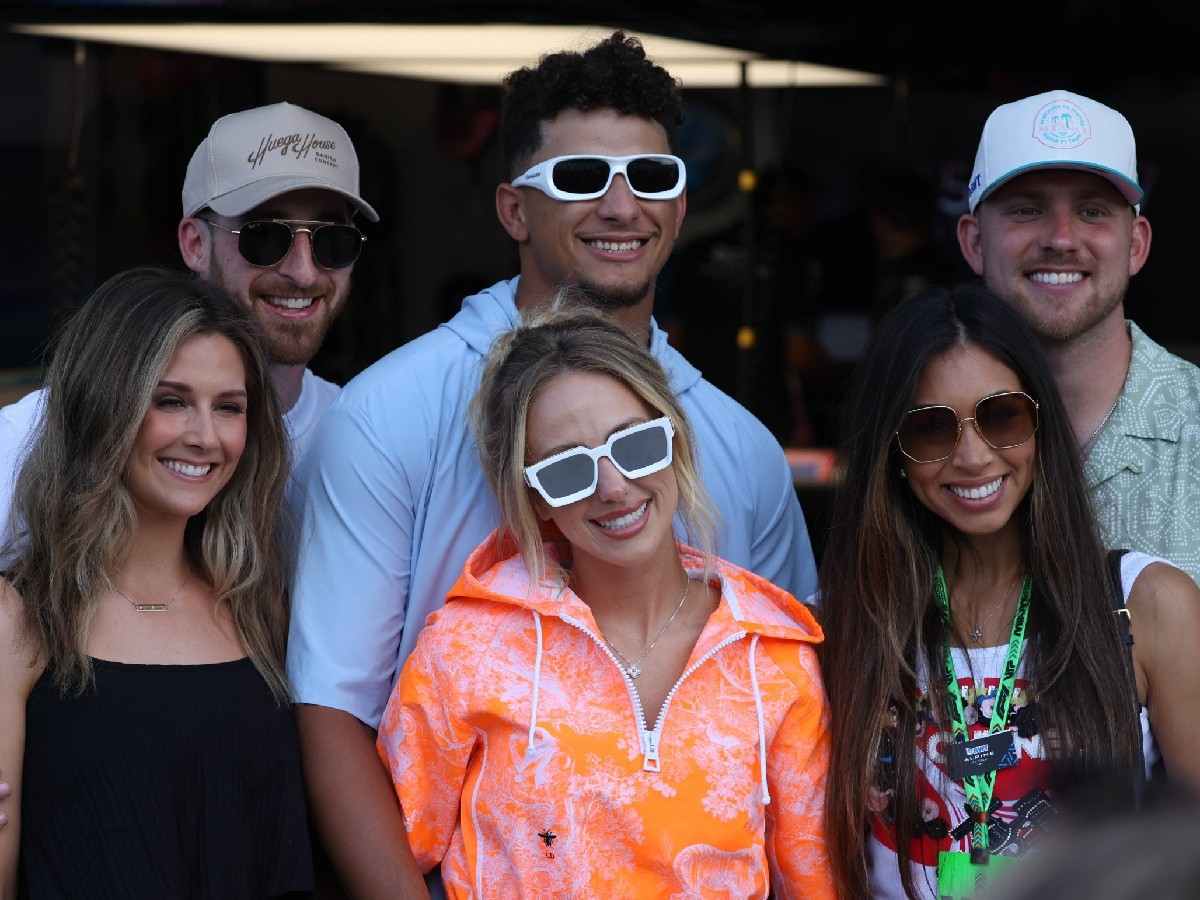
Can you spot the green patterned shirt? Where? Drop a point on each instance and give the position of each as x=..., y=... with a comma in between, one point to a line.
x=1143, y=470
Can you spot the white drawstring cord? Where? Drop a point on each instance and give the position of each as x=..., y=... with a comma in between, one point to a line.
x=537, y=678
x=762, y=726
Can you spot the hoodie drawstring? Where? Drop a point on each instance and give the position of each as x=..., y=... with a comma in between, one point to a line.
x=762, y=726
x=537, y=680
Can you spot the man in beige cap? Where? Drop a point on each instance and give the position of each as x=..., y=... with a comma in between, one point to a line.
x=268, y=206
x=1055, y=228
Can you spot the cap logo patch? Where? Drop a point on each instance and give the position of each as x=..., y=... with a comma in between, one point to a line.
x=298, y=145
x=1061, y=125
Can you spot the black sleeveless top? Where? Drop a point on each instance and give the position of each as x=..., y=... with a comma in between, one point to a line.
x=163, y=783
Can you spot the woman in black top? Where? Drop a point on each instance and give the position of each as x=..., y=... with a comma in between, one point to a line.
x=144, y=723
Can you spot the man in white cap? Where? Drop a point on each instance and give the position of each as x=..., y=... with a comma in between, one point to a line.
x=268, y=205
x=1055, y=228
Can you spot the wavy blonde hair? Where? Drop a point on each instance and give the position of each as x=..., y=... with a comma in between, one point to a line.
x=569, y=338
x=73, y=517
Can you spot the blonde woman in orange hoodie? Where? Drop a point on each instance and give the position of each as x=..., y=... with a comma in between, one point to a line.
x=599, y=710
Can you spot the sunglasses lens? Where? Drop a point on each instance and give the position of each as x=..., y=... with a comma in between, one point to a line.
x=648, y=175
x=567, y=476
x=264, y=243
x=641, y=449
x=336, y=246
x=580, y=176
x=926, y=435
x=1006, y=420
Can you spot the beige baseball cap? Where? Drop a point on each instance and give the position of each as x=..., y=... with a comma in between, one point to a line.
x=251, y=156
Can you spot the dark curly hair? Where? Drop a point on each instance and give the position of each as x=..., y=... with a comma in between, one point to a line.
x=614, y=74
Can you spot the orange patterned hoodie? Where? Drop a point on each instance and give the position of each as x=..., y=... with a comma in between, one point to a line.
x=524, y=764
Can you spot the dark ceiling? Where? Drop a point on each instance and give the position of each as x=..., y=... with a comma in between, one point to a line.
x=1098, y=44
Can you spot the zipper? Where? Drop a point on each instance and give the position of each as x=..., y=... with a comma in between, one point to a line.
x=649, y=739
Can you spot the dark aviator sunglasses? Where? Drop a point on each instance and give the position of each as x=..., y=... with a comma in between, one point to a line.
x=266, y=242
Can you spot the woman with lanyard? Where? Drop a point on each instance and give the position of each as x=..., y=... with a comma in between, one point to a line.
x=599, y=710
x=974, y=658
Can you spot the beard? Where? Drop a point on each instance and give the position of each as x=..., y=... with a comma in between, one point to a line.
x=293, y=343
x=287, y=343
x=607, y=299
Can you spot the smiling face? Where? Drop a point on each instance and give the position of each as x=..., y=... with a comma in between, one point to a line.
x=625, y=522
x=194, y=432
x=976, y=489
x=1061, y=246
x=615, y=245
x=295, y=301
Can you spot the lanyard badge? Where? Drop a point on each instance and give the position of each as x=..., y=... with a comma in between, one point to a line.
x=974, y=763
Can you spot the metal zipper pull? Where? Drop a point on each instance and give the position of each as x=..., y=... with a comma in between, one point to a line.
x=650, y=752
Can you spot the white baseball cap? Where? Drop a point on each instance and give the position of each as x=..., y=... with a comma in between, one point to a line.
x=251, y=156
x=1055, y=130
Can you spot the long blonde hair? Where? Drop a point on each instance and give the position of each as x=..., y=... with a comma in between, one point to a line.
x=566, y=338
x=73, y=517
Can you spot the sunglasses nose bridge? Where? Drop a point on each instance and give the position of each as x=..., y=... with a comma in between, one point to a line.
x=962, y=427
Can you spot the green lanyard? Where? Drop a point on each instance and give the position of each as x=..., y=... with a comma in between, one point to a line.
x=979, y=788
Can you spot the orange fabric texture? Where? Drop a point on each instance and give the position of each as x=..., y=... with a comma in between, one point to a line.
x=524, y=766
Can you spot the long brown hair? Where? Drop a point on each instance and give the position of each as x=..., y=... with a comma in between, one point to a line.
x=73, y=517
x=877, y=582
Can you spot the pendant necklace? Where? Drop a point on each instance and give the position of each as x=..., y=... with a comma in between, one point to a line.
x=634, y=669
x=153, y=607
x=976, y=632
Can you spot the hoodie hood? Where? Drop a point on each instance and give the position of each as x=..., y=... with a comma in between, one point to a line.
x=495, y=572
x=486, y=315
x=493, y=311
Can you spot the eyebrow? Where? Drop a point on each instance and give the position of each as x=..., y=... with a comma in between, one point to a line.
x=187, y=389
x=329, y=214
x=1036, y=196
x=636, y=420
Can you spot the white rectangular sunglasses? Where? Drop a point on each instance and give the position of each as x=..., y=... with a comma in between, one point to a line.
x=650, y=176
x=571, y=475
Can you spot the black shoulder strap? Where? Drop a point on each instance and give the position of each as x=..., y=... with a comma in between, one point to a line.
x=1117, y=597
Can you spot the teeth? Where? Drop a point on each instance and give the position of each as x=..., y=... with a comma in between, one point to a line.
x=977, y=493
x=1056, y=277
x=187, y=468
x=626, y=520
x=615, y=246
x=291, y=302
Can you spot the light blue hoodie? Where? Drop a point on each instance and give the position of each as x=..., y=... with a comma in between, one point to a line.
x=395, y=501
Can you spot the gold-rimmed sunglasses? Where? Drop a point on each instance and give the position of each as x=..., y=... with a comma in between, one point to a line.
x=931, y=433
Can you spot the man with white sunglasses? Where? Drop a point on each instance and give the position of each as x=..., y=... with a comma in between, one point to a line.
x=396, y=498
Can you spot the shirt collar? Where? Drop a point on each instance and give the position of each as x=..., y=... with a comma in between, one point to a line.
x=1144, y=410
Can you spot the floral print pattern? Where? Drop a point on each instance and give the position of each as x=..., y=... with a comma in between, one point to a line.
x=573, y=812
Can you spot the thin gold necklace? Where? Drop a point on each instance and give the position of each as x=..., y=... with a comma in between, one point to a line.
x=634, y=669
x=976, y=632
x=153, y=607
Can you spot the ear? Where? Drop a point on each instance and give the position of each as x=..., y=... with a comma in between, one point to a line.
x=1139, y=244
x=970, y=242
x=681, y=206
x=510, y=210
x=195, y=244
